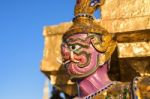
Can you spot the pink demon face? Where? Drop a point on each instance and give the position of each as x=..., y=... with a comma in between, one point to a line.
x=79, y=56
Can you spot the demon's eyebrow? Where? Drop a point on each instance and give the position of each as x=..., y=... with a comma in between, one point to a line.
x=80, y=39
x=76, y=39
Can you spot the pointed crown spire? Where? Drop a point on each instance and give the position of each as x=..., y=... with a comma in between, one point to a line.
x=87, y=7
x=84, y=17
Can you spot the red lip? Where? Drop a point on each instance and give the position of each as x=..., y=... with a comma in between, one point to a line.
x=82, y=59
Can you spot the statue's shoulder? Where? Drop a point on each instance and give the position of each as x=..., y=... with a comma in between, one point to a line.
x=141, y=87
x=119, y=90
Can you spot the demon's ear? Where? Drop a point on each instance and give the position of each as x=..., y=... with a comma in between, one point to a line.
x=105, y=45
x=101, y=43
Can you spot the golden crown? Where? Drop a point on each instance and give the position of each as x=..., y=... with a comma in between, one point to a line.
x=84, y=19
x=84, y=23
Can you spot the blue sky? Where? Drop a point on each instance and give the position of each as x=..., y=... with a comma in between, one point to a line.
x=22, y=43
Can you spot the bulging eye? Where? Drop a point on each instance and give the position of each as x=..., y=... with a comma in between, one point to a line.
x=74, y=47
